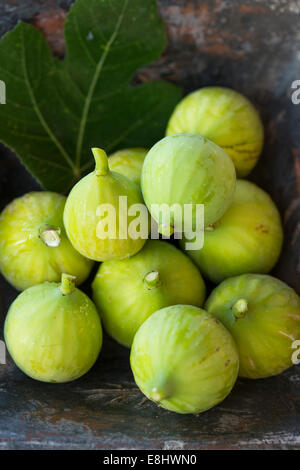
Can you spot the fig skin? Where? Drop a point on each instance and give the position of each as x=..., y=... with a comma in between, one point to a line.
x=187, y=169
x=184, y=359
x=263, y=315
x=81, y=218
x=227, y=118
x=127, y=292
x=128, y=162
x=247, y=239
x=34, y=246
x=53, y=331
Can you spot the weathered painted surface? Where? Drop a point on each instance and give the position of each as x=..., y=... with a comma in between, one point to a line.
x=252, y=46
x=105, y=410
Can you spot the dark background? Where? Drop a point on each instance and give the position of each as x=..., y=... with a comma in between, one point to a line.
x=253, y=47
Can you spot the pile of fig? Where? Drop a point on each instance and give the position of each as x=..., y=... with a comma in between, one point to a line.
x=188, y=346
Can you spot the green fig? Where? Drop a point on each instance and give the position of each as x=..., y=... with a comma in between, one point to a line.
x=104, y=192
x=53, y=331
x=247, y=239
x=183, y=359
x=227, y=118
x=263, y=315
x=127, y=292
x=187, y=170
x=128, y=162
x=34, y=246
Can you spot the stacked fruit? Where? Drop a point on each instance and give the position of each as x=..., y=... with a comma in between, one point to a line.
x=148, y=293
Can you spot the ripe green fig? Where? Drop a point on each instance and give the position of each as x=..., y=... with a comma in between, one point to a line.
x=187, y=170
x=127, y=292
x=34, y=246
x=263, y=315
x=98, y=236
x=247, y=239
x=53, y=331
x=227, y=118
x=128, y=162
x=183, y=359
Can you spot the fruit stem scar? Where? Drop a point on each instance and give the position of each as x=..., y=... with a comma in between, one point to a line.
x=50, y=236
x=152, y=280
x=101, y=161
x=240, y=308
x=157, y=395
x=210, y=228
x=165, y=230
x=67, y=285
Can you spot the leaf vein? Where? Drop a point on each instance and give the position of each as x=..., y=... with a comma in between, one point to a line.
x=37, y=110
x=94, y=83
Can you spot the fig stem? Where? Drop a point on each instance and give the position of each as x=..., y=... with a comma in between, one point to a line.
x=240, y=308
x=101, y=162
x=50, y=236
x=67, y=285
x=157, y=395
x=165, y=230
x=152, y=280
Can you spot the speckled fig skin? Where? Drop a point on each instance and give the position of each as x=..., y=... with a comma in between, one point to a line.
x=188, y=169
x=82, y=219
x=127, y=292
x=247, y=239
x=184, y=359
x=128, y=162
x=227, y=118
x=263, y=315
x=53, y=331
x=29, y=252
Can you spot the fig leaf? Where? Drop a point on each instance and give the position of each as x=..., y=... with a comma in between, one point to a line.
x=56, y=110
